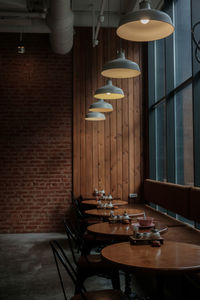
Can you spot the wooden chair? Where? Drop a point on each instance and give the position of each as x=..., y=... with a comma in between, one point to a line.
x=60, y=257
x=83, y=220
x=90, y=242
x=88, y=265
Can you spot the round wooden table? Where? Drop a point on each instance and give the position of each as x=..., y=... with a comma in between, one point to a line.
x=171, y=256
x=120, y=230
x=114, y=202
x=105, y=213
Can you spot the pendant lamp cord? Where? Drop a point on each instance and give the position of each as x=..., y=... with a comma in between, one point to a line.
x=197, y=43
x=120, y=40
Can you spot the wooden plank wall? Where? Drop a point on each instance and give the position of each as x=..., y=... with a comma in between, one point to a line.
x=107, y=154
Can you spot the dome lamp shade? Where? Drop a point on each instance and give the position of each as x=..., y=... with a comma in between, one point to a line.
x=145, y=25
x=95, y=116
x=120, y=67
x=109, y=91
x=101, y=106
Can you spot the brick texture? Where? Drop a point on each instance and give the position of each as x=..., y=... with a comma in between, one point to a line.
x=35, y=135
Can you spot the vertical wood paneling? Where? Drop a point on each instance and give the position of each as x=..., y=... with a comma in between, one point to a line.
x=137, y=117
x=88, y=129
x=76, y=124
x=131, y=132
x=101, y=161
x=125, y=149
x=119, y=149
x=82, y=104
x=107, y=155
x=94, y=125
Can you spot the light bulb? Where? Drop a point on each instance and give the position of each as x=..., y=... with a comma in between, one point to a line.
x=108, y=93
x=144, y=21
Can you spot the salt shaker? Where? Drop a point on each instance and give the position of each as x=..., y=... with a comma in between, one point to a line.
x=155, y=234
x=135, y=230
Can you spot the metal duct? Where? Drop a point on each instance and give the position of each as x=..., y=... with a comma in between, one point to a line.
x=60, y=20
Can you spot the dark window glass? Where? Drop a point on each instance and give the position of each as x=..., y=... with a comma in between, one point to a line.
x=161, y=142
x=162, y=209
x=182, y=42
x=159, y=69
x=184, y=137
x=182, y=219
x=171, y=214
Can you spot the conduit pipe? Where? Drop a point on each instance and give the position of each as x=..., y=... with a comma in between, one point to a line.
x=60, y=20
x=100, y=20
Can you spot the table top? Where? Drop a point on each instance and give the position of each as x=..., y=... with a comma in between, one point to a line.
x=171, y=256
x=120, y=230
x=114, y=202
x=132, y=212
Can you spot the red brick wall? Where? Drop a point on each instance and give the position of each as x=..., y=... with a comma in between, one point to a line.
x=35, y=135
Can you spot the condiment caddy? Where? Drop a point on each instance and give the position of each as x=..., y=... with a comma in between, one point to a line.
x=146, y=238
x=119, y=218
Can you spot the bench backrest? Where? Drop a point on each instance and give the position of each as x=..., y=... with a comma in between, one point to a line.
x=171, y=196
x=194, y=204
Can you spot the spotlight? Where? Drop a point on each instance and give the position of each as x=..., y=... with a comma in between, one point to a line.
x=20, y=47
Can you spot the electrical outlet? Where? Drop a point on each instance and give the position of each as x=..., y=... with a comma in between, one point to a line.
x=131, y=196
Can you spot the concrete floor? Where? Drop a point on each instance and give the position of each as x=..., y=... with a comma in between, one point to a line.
x=28, y=271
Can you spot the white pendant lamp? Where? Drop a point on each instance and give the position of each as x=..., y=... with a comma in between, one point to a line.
x=95, y=116
x=145, y=25
x=109, y=91
x=120, y=67
x=101, y=106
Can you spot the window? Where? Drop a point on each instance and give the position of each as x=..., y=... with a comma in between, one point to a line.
x=174, y=106
x=171, y=100
x=161, y=142
x=184, y=136
x=182, y=41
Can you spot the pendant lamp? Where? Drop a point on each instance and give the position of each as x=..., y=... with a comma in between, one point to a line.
x=95, y=116
x=120, y=67
x=101, y=106
x=145, y=25
x=109, y=91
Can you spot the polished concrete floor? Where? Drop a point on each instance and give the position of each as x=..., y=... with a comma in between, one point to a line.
x=28, y=272
x=27, y=268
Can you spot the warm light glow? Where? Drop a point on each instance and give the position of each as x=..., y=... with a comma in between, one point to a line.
x=108, y=93
x=144, y=21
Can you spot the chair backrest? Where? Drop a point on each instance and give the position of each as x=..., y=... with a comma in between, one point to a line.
x=73, y=238
x=60, y=256
x=78, y=206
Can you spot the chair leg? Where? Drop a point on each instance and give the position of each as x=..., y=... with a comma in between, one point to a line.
x=128, y=290
x=80, y=280
x=116, y=280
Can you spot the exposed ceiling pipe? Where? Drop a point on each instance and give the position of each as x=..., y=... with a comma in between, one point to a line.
x=60, y=20
x=100, y=20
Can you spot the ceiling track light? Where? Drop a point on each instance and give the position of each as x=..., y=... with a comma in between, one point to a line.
x=109, y=91
x=95, y=116
x=101, y=106
x=20, y=47
x=120, y=67
x=145, y=25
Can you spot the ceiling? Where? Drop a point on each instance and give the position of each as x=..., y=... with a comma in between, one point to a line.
x=22, y=15
x=58, y=17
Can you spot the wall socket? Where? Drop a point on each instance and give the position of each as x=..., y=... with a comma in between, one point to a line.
x=131, y=196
